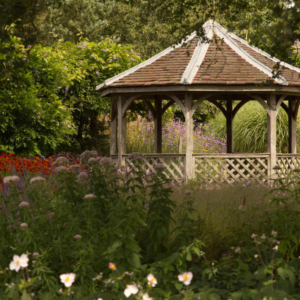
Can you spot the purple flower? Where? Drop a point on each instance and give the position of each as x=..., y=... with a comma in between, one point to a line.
x=97, y=73
x=78, y=46
x=92, y=55
x=45, y=54
x=103, y=50
x=59, y=87
x=132, y=59
x=131, y=51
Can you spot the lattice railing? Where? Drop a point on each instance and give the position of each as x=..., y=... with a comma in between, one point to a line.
x=231, y=168
x=287, y=163
x=173, y=163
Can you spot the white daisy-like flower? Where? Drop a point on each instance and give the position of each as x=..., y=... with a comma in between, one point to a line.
x=130, y=289
x=19, y=262
x=186, y=277
x=67, y=279
x=152, y=280
x=146, y=297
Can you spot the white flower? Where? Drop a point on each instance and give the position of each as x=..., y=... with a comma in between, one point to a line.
x=36, y=179
x=67, y=279
x=263, y=237
x=146, y=297
x=130, y=289
x=18, y=262
x=274, y=233
x=77, y=236
x=152, y=280
x=276, y=248
x=7, y=179
x=253, y=236
x=61, y=161
x=186, y=277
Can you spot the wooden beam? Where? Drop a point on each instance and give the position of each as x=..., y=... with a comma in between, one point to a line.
x=288, y=90
x=229, y=118
x=272, y=114
x=292, y=126
x=238, y=107
x=113, y=127
x=120, y=132
x=219, y=106
x=164, y=109
x=189, y=165
x=158, y=126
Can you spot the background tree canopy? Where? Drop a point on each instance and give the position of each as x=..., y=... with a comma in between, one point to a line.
x=54, y=52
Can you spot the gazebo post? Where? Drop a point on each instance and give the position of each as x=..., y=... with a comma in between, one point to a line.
x=229, y=126
x=158, y=126
x=113, y=127
x=272, y=114
x=292, y=127
x=121, y=138
x=189, y=165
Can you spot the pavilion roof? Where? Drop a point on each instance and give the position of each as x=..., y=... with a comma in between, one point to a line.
x=228, y=60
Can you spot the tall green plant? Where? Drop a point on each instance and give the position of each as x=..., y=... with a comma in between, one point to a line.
x=250, y=129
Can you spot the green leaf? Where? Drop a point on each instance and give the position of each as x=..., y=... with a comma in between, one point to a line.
x=178, y=286
x=25, y=296
x=134, y=260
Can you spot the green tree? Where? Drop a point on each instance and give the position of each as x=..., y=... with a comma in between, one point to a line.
x=32, y=117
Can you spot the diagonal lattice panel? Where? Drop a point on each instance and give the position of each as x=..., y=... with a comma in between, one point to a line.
x=173, y=166
x=231, y=169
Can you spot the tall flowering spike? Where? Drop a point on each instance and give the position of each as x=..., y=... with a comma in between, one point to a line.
x=52, y=171
x=42, y=171
x=24, y=170
x=5, y=209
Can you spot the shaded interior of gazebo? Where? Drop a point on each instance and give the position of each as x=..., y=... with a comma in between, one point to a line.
x=227, y=69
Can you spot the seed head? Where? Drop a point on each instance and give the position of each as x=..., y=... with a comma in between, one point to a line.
x=24, y=204
x=61, y=161
x=60, y=169
x=188, y=192
x=77, y=236
x=24, y=226
x=89, y=196
x=36, y=255
x=36, y=179
x=8, y=179
x=106, y=160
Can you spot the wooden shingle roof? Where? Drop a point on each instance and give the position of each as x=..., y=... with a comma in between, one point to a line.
x=229, y=60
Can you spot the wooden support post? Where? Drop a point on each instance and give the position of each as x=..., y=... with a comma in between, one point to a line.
x=113, y=127
x=189, y=166
x=229, y=126
x=158, y=126
x=124, y=133
x=272, y=114
x=120, y=133
x=292, y=127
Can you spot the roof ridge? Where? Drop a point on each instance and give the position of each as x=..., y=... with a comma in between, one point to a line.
x=198, y=56
x=146, y=62
x=219, y=30
x=264, y=53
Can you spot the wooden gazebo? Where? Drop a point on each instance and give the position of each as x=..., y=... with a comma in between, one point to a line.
x=226, y=69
